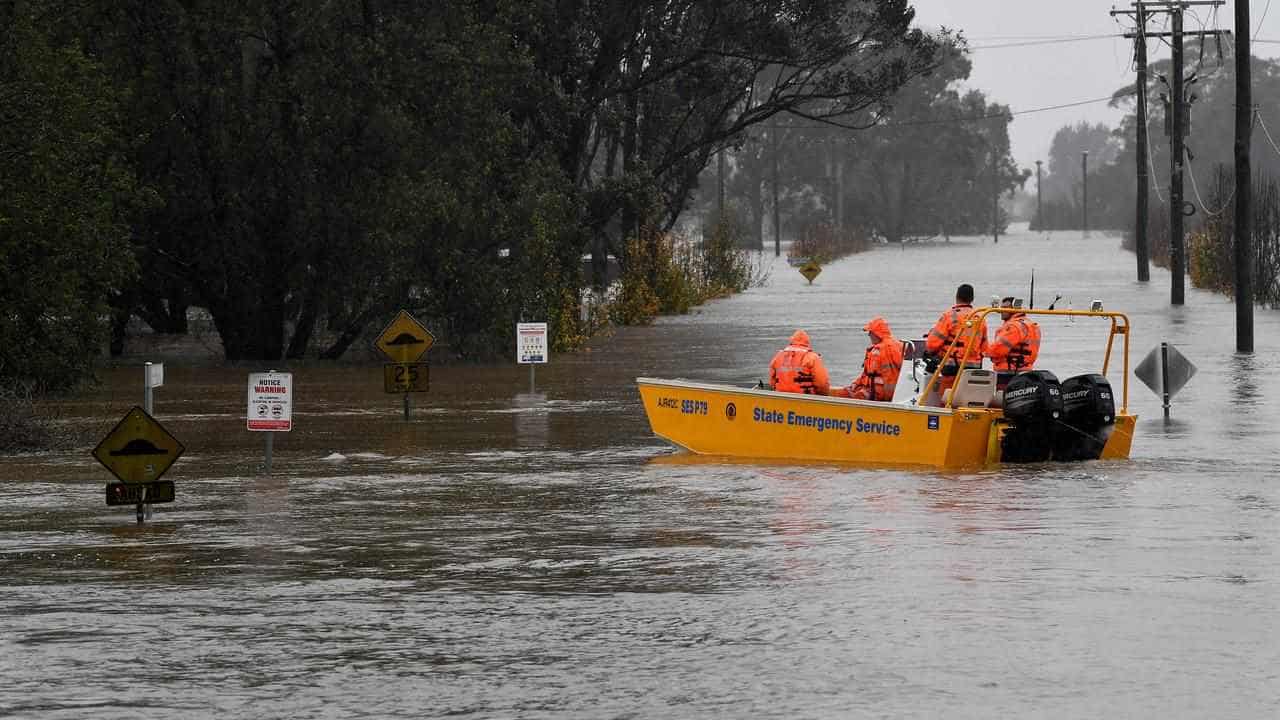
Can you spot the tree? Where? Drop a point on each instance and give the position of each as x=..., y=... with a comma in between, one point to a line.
x=66, y=196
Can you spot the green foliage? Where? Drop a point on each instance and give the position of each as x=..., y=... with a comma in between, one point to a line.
x=22, y=427
x=666, y=274
x=1211, y=249
x=319, y=165
x=825, y=243
x=66, y=193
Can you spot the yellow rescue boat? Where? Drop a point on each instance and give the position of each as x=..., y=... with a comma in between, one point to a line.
x=1036, y=418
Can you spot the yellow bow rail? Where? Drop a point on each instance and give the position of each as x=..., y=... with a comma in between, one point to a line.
x=1119, y=326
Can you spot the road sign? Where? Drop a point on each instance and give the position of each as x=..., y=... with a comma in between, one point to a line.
x=138, y=449
x=1180, y=370
x=810, y=270
x=134, y=493
x=406, y=377
x=155, y=375
x=270, y=402
x=405, y=340
x=531, y=343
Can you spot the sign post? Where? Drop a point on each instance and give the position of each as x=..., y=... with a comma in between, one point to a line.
x=138, y=451
x=1165, y=371
x=531, y=347
x=810, y=270
x=404, y=341
x=270, y=407
x=152, y=377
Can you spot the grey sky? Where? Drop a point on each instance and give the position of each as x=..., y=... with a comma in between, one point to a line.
x=1034, y=76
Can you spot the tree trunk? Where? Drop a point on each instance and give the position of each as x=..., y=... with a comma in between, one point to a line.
x=251, y=331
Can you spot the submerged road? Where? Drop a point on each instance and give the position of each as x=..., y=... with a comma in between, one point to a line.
x=509, y=555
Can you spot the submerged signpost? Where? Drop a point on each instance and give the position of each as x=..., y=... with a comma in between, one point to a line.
x=810, y=270
x=138, y=451
x=405, y=341
x=1165, y=371
x=270, y=407
x=531, y=347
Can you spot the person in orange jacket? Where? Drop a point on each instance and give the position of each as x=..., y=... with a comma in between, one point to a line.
x=951, y=325
x=880, y=366
x=1016, y=345
x=798, y=369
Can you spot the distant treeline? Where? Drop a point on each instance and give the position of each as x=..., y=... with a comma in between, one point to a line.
x=300, y=170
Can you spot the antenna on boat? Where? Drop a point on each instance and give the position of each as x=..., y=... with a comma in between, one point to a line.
x=1032, y=303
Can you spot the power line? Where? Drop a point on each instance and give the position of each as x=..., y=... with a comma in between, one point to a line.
x=974, y=118
x=1055, y=41
x=1264, y=19
x=1204, y=206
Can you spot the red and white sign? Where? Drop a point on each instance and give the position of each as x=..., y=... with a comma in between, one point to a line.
x=270, y=402
x=531, y=343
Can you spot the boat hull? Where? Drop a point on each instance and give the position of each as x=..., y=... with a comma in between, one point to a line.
x=723, y=420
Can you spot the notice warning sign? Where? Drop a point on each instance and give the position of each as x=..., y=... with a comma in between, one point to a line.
x=531, y=343
x=270, y=402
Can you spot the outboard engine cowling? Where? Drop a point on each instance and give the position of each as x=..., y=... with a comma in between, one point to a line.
x=1088, y=417
x=1033, y=406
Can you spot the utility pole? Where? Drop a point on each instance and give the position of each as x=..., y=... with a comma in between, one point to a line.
x=1140, y=234
x=995, y=198
x=1039, y=205
x=1084, y=201
x=840, y=193
x=1178, y=129
x=1244, y=184
x=720, y=186
x=1176, y=240
x=777, y=224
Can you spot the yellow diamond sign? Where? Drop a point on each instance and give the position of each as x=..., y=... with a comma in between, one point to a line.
x=138, y=449
x=405, y=339
x=810, y=270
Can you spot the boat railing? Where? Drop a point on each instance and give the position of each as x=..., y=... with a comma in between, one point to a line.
x=1119, y=326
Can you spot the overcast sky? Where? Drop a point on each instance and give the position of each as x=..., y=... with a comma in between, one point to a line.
x=1035, y=76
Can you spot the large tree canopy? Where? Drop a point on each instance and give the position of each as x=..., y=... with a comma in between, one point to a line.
x=317, y=165
x=65, y=196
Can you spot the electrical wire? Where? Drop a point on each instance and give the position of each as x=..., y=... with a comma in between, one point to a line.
x=1151, y=167
x=1203, y=206
x=1030, y=43
x=1262, y=20
x=1262, y=123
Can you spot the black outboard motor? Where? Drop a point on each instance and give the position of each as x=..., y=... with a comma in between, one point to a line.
x=1033, y=405
x=1088, y=417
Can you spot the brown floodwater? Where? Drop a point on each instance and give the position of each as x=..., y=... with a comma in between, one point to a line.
x=517, y=554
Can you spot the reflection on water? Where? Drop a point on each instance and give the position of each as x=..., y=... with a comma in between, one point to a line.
x=508, y=554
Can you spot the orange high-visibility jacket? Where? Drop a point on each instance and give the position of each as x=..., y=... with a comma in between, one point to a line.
x=797, y=368
x=951, y=324
x=1016, y=345
x=880, y=367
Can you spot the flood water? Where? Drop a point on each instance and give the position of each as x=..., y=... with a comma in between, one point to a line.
x=534, y=555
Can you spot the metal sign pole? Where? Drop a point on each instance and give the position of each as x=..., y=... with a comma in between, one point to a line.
x=148, y=404
x=267, y=463
x=1164, y=376
x=269, y=445
x=146, y=389
x=531, y=367
x=406, y=407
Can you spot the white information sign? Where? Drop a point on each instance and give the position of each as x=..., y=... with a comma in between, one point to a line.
x=155, y=374
x=531, y=343
x=270, y=402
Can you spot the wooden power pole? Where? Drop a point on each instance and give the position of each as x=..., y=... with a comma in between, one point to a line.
x=777, y=220
x=1244, y=184
x=1178, y=129
x=1140, y=233
x=1039, y=205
